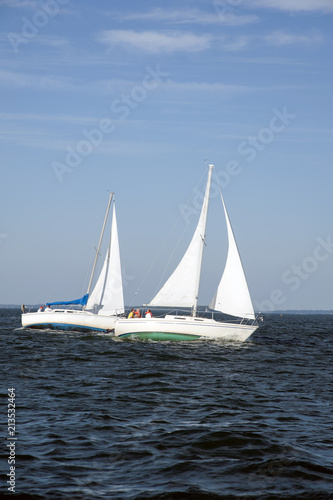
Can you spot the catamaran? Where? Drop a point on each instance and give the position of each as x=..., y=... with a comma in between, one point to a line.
x=181, y=291
x=101, y=307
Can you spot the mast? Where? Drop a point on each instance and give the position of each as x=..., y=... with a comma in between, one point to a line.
x=204, y=213
x=99, y=243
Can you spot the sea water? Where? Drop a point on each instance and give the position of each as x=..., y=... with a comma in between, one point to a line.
x=97, y=417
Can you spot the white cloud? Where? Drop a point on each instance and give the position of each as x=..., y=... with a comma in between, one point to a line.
x=280, y=38
x=191, y=16
x=155, y=42
x=295, y=5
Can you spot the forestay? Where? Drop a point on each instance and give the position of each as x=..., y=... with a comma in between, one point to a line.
x=181, y=289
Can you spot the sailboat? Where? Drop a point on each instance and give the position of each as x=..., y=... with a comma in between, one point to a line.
x=181, y=291
x=102, y=306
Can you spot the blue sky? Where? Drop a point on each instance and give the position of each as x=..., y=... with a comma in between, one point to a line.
x=133, y=97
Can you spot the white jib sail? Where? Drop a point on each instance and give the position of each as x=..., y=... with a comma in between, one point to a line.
x=233, y=296
x=181, y=289
x=107, y=295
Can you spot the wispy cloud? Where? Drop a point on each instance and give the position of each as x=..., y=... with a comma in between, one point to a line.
x=224, y=89
x=21, y=80
x=295, y=5
x=40, y=82
x=51, y=41
x=189, y=16
x=52, y=118
x=37, y=5
x=171, y=41
x=230, y=44
x=156, y=42
x=180, y=41
x=36, y=82
x=19, y=4
x=190, y=87
x=280, y=38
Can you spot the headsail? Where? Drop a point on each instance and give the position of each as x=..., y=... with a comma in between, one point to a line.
x=233, y=296
x=107, y=296
x=181, y=289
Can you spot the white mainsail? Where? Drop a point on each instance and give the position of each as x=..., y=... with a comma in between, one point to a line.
x=233, y=296
x=181, y=289
x=107, y=296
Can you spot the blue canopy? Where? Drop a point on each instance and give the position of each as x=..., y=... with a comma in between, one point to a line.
x=81, y=302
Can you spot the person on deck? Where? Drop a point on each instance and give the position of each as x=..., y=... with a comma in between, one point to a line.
x=48, y=309
x=149, y=314
x=41, y=309
x=131, y=314
x=137, y=314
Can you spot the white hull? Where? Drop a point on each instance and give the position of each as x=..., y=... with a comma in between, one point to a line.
x=181, y=328
x=63, y=319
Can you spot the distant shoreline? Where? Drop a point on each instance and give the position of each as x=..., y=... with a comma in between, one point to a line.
x=287, y=311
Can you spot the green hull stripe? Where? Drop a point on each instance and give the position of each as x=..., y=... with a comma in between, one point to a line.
x=159, y=336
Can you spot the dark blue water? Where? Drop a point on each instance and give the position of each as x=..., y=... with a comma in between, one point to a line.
x=101, y=418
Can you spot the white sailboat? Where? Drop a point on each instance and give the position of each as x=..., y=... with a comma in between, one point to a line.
x=181, y=290
x=100, y=308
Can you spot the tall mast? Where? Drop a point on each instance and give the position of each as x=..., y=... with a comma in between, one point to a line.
x=99, y=243
x=204, y=213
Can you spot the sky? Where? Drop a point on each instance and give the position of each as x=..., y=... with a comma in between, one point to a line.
x=138, y=98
